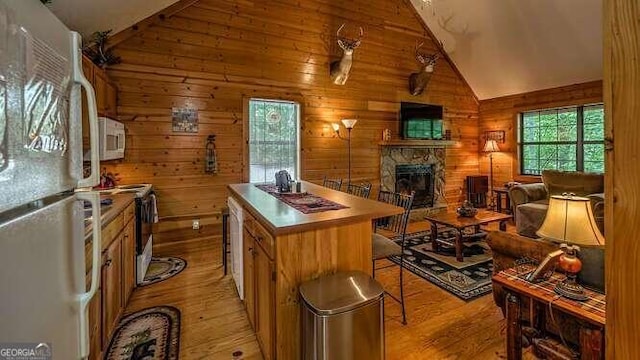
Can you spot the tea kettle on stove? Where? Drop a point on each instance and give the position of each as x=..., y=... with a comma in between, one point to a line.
x=283, y=181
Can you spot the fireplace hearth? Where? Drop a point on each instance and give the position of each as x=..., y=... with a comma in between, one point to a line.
x=418, y=178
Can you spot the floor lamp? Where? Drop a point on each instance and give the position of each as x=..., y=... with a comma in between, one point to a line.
x=491, y=146
x=348, y=124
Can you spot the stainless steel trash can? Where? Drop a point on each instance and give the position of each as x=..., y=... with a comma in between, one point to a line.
x=343, y=317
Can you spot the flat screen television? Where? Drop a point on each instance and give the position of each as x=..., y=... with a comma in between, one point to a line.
x=421, y=121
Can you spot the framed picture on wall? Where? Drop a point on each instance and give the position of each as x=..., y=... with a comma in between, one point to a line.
x=184, y=120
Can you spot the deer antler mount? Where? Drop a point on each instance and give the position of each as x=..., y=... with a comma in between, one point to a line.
x=418, y=81
x=339, y=70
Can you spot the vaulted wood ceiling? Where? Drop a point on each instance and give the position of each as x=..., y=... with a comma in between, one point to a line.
x=515, y=46
x=501, y=48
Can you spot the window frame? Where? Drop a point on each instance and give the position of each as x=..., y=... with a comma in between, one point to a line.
x=246, y=129
x=579, y=143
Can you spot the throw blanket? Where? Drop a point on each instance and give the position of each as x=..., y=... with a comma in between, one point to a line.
x=304, y=202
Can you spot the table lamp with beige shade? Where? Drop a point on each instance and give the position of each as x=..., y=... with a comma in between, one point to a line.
x=570, y=221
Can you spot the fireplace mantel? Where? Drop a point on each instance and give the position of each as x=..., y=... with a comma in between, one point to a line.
x=418, y=143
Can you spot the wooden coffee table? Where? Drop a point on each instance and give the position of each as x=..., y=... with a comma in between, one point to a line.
x=459, y=223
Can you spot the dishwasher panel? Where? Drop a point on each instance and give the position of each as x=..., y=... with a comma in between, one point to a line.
x=235, y=228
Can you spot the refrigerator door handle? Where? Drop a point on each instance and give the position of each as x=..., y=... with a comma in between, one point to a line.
x=86, y=297
x=94, y=137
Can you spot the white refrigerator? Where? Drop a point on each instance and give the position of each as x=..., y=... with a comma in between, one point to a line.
x=43, y=294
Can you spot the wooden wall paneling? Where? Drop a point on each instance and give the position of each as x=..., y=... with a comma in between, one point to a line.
x=622, y=179
x=502, y=114
x=212, y=55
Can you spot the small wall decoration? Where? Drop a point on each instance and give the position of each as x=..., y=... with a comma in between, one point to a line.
x=497, y=135
x=211, y=162
x=184, y=120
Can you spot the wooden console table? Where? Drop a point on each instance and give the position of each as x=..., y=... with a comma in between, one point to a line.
x=590, y=314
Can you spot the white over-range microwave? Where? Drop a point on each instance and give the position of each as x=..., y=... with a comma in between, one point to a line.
x=112, y=139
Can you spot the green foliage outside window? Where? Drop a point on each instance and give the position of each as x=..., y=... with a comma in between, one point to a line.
x=568, y=139
x=273, y=139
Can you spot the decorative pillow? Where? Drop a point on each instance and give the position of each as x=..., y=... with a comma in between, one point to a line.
x=559, y=189
x=571, y=180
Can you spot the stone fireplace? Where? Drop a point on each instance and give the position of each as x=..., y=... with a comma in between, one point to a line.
x=415, y=168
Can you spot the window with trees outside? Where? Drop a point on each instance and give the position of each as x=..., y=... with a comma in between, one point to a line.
x=567, y=139
x=274, y=139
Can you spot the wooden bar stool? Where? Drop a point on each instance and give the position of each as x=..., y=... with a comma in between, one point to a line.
x=225, y=237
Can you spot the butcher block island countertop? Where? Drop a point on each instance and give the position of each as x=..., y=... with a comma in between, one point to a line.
x=280, y=218
x=283, y=247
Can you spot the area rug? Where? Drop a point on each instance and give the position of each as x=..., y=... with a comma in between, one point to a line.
x=466, y=280
x=304, y=202
x=162, y=269
x=149, y=334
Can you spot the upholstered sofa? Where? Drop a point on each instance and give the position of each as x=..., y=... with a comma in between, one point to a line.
x=531, y=201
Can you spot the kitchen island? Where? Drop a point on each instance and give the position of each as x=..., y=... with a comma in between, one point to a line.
x=283, y=247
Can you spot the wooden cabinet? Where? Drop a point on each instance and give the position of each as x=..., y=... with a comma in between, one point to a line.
x=128, y=261
x=106, y=97
x=118, y=277
x=106, y=94
x=100, y=86
x=248, y=276
x=264, y=296
x=111, y=100
x=111, y=287
x=259, y=284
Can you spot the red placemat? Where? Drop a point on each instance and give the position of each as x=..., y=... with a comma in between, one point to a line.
x=304, y=202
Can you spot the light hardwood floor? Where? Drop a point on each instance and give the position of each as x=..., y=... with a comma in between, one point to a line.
x=214, y=324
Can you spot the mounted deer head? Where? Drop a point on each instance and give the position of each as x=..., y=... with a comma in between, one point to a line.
x=340, y=69
x=418, y=81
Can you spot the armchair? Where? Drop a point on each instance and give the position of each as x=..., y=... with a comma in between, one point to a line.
x=531, y=201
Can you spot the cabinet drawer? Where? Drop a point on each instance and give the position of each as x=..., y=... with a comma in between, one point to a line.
x=264, y=239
